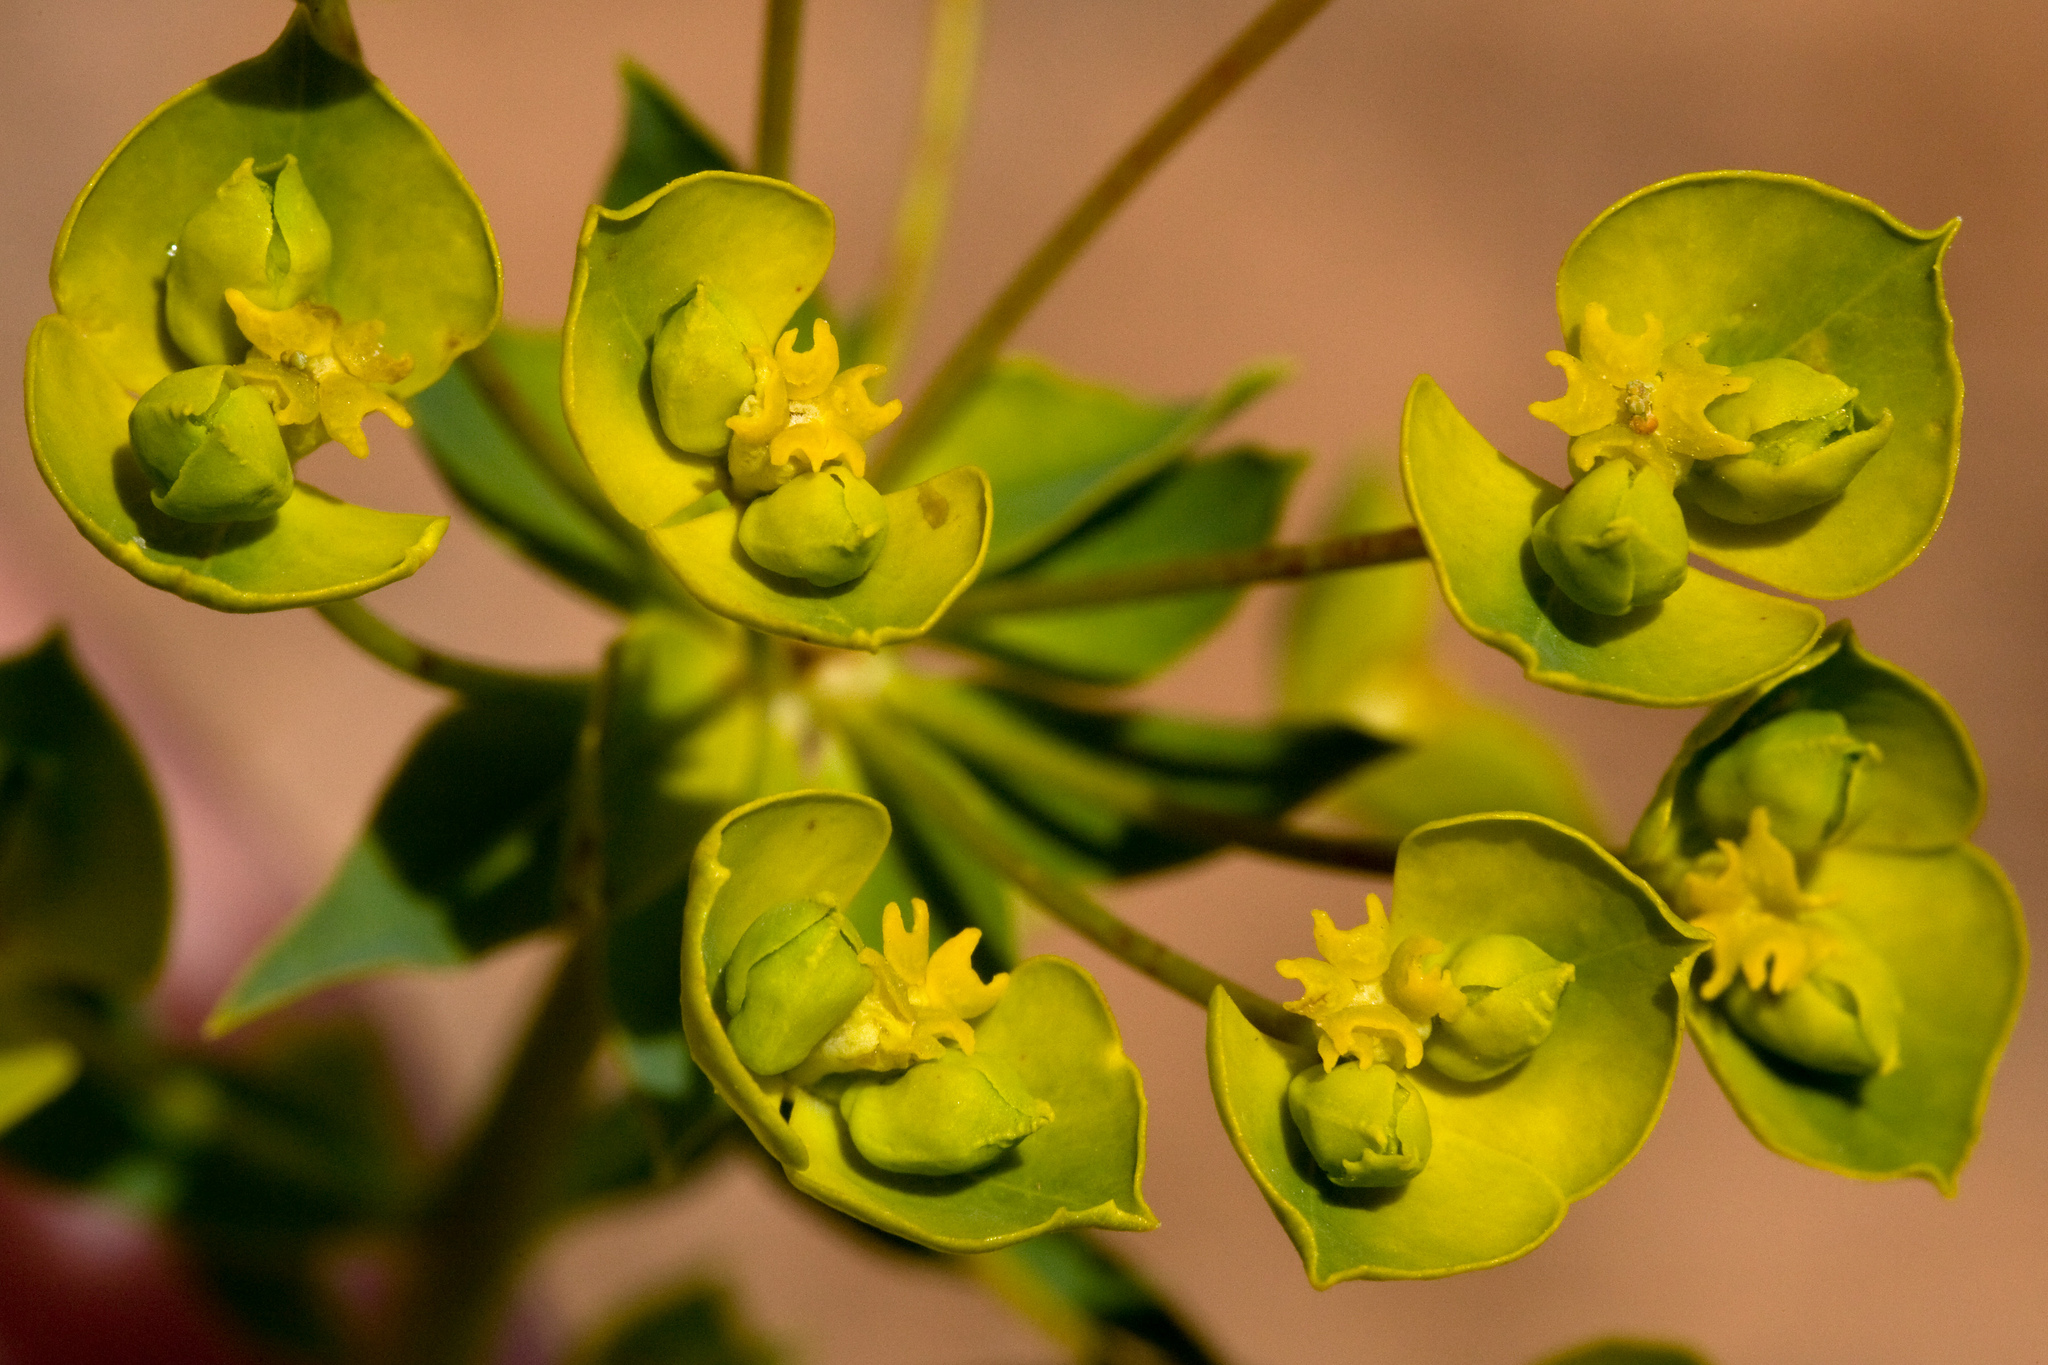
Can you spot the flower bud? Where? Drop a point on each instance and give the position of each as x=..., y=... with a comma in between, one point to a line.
x=826, y=528
x=262, y=234
x=1801, y=767
x=1616, y=542
x=1805, y=445
x=944, y=1117
x=1366, y=1126
x=702, y=371
x=1511, y=990
x=211, y=447
x=1842, y=1018
x=792, y=977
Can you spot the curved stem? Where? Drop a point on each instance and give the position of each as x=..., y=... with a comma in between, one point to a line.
x=928, y=193
x=1203, y=573
x=1264, y=36
x=963, y=810
x=473, y=1235
x=777, y=114
x=381, y=640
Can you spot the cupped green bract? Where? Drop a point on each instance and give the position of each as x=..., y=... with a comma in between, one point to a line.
x=1780, y=267
x=938, y=532
x=1511, y=1153
x=410, y=248
x=1475, y=507
x=1904, y=879
x=1052, y=1027
x=763, y=243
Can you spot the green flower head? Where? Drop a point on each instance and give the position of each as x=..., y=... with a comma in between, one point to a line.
x=1866, y=960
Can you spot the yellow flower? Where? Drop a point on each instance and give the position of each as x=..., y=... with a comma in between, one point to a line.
x=1369, y=997
x=1748, y=898
x=804, y=414
x=920, y=1001
x=316, y=368
x=1640, y=399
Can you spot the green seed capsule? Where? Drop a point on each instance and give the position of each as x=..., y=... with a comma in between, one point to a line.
x=1801, y=767
x=1617, y=541
x=792, y=978
x=825, y=528
x=945, y=1117
x=211, y=447
x=702, y=371
x=1511, y=990
x=1366, y=1126
x=262, y=234
x=1842, y=1019
x=1806, y=446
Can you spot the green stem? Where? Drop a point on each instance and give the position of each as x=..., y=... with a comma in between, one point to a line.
x=928, y=193
x=1264, y=36
x=474, y=1234
x=1203, y=573
x=381, y=640
x=893, y=753
x=777, y=115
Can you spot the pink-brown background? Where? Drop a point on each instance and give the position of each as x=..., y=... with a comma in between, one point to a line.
x=1390, y=197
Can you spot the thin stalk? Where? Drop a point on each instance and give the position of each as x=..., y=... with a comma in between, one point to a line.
x=1264, y=36
x=1202, y=573
x=474, y=1234
x=928, y=193
x=381, y=640
x=892, y=753
x=776, y=116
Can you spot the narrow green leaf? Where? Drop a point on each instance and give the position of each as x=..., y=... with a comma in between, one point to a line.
x=1090, y=1300
x=697, y=1323
x=662, y=141
x=85, y=892
x=1228, y=502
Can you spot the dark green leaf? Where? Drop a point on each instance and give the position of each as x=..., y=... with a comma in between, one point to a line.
x=697, y=1323
x=492, y=467
x=459, y=858
x=1089, y=1299
x=663, y=141
x=1229, y=502
x=85, y=891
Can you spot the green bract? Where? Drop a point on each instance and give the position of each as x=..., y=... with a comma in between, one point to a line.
x=1878, y=787
x=405, y=246
x=1803, y=402
x=1507, y=1155
x=1048, y=1043
x=686, y=392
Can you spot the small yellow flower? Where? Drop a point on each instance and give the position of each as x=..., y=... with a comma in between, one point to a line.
x=1749, y=899
x=1369, y=997
x=315, y=367
x=804, y=414
x=920, y=1001
x=1638, y=398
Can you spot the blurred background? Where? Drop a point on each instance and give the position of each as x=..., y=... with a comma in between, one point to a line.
x=1389, y=197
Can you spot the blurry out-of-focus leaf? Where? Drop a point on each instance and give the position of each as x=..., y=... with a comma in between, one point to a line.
x=1625, y=1351
x=662, y=141
x=1206, y=506
x=460, y=856
x=85, y=893
x=31, y=1076
x=1089, y=1300
x=697, y=1323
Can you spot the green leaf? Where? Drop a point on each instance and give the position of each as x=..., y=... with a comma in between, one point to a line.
x=763, y=242
x=1843, y=287
x=1207, y=506
x=314, y=549
x=938, y=532
x=1089, y=1300
x=85, y=891
x=1708, y=640
x=1118, y=793
x=489, y=464
x=460, y=856
x=1057, y=450
x=1509, y=1153
x=1625, y=1351
x=1051, y=1025
x=1358, y=649
x=31, y=1075
x=662, y=141
x=698, y=1323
